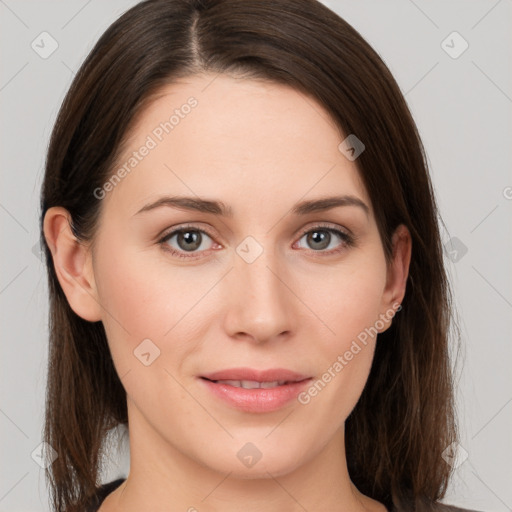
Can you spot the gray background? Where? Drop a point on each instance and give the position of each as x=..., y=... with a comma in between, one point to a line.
x=462, y=107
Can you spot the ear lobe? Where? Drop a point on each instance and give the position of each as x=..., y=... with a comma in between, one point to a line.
x=73, y=265
x=397, y=271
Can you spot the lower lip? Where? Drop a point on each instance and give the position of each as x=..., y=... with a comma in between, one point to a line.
x=257, y=400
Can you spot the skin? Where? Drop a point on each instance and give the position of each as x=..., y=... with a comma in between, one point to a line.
x=260, y=148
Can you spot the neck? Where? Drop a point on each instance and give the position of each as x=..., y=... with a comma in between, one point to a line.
x=163, y=478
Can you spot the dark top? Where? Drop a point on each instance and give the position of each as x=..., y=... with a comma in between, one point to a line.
x=106, y=489
x=102, y=493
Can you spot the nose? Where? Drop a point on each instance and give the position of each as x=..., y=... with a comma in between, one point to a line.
x=260, y=300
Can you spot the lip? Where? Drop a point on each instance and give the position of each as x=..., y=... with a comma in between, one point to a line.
x=256, y=400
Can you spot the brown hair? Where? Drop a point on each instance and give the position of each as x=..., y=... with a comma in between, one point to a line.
x=405, y=417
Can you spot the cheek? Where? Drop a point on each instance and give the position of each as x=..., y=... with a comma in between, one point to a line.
x=144, y=297
x=347, y=300
x=349, y=307
x=141, y=302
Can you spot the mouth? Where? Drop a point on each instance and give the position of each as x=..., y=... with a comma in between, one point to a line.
x=255, y=391
x=251, y=384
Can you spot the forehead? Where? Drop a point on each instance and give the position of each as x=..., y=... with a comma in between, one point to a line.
x=234, y=138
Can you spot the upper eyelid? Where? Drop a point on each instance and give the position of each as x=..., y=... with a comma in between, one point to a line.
x=185, y=227
x=325, y=225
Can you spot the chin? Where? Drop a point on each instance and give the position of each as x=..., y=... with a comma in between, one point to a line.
x=248, y=461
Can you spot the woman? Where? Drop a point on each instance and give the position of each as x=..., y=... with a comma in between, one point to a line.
x=295, y=356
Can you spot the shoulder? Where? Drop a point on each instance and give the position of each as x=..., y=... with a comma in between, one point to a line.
x=450, y=508
x=442, y=507
x=102, y=493
x=426, y=506
x=109, y=487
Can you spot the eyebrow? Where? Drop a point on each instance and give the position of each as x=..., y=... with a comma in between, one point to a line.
x=219, y=208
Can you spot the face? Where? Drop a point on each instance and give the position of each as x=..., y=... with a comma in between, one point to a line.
x=264, y=283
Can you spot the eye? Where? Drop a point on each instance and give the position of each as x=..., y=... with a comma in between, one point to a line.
x=324, y=237
x=187, y=240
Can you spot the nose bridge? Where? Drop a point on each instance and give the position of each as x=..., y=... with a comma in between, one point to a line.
x=253, y=265
x=261, y=305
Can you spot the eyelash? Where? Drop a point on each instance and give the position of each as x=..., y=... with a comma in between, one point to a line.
x=347, y=240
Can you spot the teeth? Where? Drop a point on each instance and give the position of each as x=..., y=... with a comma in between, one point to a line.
x=251, y=384
x=266, y=385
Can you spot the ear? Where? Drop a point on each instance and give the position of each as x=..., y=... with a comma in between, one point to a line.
x=73, y=264
x=397, y=273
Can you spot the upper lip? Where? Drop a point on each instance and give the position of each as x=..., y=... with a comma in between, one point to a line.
x=270, y=375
